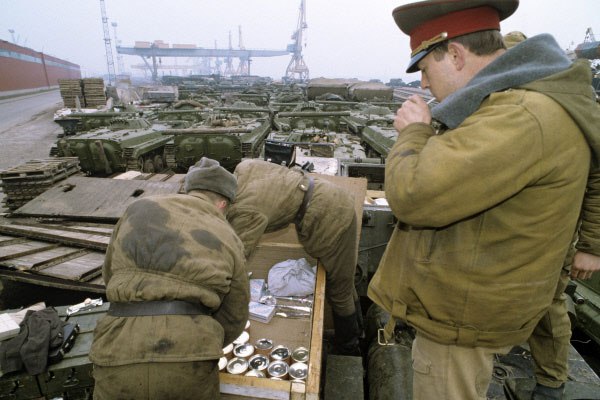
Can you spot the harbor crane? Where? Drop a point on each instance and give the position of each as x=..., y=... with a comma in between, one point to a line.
x=589, y=48
x=297, y=68
x=229, y=71
x=244, y=65
x=110, y=63
x=121, y=69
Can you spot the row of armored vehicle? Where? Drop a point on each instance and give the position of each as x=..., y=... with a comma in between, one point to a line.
x=174, y=137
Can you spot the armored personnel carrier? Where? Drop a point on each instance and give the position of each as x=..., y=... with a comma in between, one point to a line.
x=322, y=139
x=227, y=134
x=185, y=113
x=77, y=122
x=105, y=151
x=317, y=133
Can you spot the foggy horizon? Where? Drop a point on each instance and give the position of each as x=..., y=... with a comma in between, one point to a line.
x=343, y=39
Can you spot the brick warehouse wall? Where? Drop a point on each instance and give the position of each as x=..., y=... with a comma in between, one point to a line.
x=24, y=68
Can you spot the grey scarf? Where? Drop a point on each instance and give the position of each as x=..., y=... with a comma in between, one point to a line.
x=533, y=59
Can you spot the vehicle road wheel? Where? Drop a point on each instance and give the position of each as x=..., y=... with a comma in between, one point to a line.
x=148, y=166
x=159, y=165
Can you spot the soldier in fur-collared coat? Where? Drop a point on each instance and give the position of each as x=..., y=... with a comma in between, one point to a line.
x=487, y=187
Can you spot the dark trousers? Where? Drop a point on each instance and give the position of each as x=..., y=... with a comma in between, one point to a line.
x=197, y=380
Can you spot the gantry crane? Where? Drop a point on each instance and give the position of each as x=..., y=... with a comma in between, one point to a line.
x=110, y=63
x=297, y=66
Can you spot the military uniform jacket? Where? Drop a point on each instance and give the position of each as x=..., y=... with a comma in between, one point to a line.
x=486, y=212
x=269, y=197
x=173, y=247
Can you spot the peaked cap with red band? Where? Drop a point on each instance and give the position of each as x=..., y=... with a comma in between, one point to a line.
x=429, y=23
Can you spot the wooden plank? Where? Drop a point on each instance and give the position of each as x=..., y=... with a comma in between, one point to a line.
x=22, y=249
x=52, y=282
x=159, y=177
x=44, y=259
x=83, y=268
x=98, y=229
x=128, y=175
x=6, y=238
x=177, y=178
x=50, y=233
x=12, y=240
x=316, y=340
x=253, y=388
x=97, y=280
x=93, y=198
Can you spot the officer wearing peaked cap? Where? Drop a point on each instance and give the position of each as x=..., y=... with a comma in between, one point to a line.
x=178, y=290
x=485, y=189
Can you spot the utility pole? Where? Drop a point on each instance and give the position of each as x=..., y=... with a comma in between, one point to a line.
x=297, y=66
x=110, y=63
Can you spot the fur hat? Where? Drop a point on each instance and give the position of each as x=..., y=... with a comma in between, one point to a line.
x=431, y=22
x=207, y=174
x=511, y=39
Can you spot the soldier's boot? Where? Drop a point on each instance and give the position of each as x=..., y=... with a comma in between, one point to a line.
x=541, y=392
x=346, y=336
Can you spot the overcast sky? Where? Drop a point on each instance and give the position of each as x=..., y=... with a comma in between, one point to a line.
x=344, y=38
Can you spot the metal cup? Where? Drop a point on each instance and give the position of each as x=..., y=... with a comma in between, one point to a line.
x=298, y=370
x=243, y=350
x=237, y=366
x=300, y=354
x=259, y=362
x=263, y=346
x=280, y=353
x=255, y=373
x=278, y=370
x=222, y=363
x=228, y=351
x=243, y=338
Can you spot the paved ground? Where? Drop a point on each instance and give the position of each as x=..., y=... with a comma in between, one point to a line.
x=27, y=128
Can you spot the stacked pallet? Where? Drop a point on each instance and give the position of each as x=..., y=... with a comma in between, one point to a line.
x=69, y=90
x=93, y=92
x=26, y=181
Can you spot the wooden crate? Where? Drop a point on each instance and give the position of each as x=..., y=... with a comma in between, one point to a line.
x=274, y=248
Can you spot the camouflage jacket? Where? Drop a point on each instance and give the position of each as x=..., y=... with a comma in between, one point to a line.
x=269, y=197
x=172, y=247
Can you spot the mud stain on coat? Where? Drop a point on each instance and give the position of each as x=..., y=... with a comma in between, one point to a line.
x=163, y=346
x=207, y=239
x=150, y=242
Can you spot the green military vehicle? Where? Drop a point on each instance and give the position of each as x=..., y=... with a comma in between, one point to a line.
x=106, y=151
x=324, y=138
x=73, y=123
x=186, y=113
x=586, y=296
x=227, y=134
